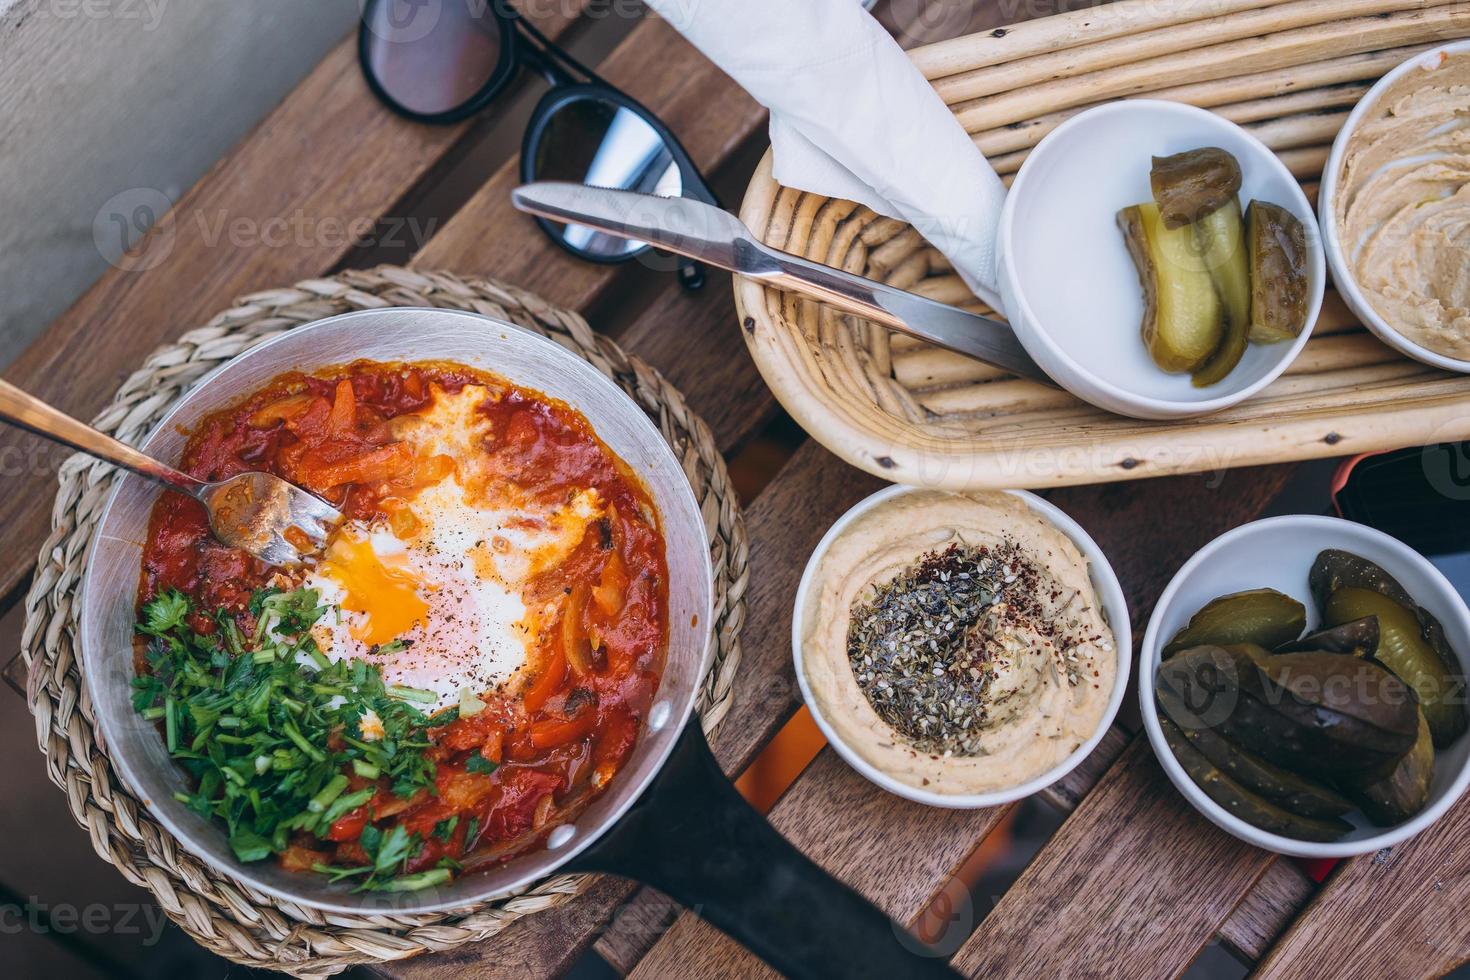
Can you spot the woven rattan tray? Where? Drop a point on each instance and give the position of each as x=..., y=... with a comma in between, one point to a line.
x=1288, y=71
x=216, y=910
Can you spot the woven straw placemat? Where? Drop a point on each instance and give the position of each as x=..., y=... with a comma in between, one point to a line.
x=221, y=913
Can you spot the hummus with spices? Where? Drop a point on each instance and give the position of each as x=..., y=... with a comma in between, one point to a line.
x=1403, y=206
x=954, y=641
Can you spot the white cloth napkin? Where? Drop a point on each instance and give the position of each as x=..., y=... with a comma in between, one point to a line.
x=851, y=117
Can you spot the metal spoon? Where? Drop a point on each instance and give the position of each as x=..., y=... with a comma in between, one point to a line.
x=258, y=513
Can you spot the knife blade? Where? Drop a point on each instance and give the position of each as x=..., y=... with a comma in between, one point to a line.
x=715, y=236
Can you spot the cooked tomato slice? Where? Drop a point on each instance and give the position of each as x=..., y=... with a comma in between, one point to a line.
x=521, y=792
x=557, y=731
x=548, y=683
x=349, y=827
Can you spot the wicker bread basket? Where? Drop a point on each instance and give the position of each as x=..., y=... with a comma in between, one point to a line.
x=1287, y=71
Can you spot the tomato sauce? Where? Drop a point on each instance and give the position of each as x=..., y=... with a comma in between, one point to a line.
x=560, y=734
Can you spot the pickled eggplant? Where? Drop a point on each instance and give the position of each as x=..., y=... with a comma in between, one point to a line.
x=1220, y=239
x=1187, y=186
x=1358, y=637
x=1241, y=802
x=1183, y=321
x=1281, y=786
x=1277, y=247
x=1403, y=792
x=1404, y=650
x=1263, y=616
x=1219, y=688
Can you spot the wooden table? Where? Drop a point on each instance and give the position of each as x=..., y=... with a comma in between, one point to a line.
x=1133, y=883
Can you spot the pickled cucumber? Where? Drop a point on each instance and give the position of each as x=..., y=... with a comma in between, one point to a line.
x=1335, y=568
x=1403, y=648
x=1402, y=793
x=1241, y=802
x=1220, y=240
x=1183, y=318
x=1220, y=688
x=1281, y=786
x=1358, y=638
x=1262, y=616
x=1356, y=701
x=1277, y=247
x=1187, y=186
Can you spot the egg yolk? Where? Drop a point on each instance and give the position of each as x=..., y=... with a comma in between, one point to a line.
x=388, y=597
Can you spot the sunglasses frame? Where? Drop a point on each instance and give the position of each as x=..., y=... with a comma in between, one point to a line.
x=509, y=63
x=691, y=182
x=560, y=71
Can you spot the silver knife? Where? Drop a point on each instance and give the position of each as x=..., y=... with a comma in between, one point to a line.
x=709, y=234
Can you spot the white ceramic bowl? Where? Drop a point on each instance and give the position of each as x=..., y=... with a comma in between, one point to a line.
x=1067, y=283
x=1277, y=553
x=1115, y=609
x=1337, y=252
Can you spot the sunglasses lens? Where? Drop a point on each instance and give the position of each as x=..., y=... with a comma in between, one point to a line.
x=595, y=141
x=431, y=56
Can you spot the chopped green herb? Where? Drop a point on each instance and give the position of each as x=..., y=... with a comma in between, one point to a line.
x=417, y=882
x=412, y=694
x=478, y=763
x=165, y=613
x=392, y=850
x=269, y=742
x=365, y=769
x=444, y=829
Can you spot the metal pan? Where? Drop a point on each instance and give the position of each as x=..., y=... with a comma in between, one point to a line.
x=670, y=818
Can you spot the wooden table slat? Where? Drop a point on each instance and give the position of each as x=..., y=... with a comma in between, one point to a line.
x=1267, y=910
x=1396, y=913
x=1132, y=885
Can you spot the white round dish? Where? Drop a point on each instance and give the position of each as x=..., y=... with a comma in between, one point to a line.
x=1067, y=283
x=1337, y=252
x=1277, y=553
x=1115, y=610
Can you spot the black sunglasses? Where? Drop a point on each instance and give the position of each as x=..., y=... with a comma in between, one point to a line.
x=440, y=61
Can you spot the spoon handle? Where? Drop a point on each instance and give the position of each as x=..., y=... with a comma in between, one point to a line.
x=29, y=412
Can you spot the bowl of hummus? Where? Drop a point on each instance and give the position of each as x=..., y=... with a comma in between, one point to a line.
x=960, y=649
x=1395, y=208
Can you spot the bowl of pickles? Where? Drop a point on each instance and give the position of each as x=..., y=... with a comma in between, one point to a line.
x=1158, y=260
x=1302, y=682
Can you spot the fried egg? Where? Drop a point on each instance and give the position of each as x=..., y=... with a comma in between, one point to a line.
x=447, y=575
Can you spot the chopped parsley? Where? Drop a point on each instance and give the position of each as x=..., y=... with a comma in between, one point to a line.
x=444, y=829
x=477, y=763
x=268, y=728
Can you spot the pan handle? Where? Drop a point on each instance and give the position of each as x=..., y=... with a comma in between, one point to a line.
x=693, y=837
